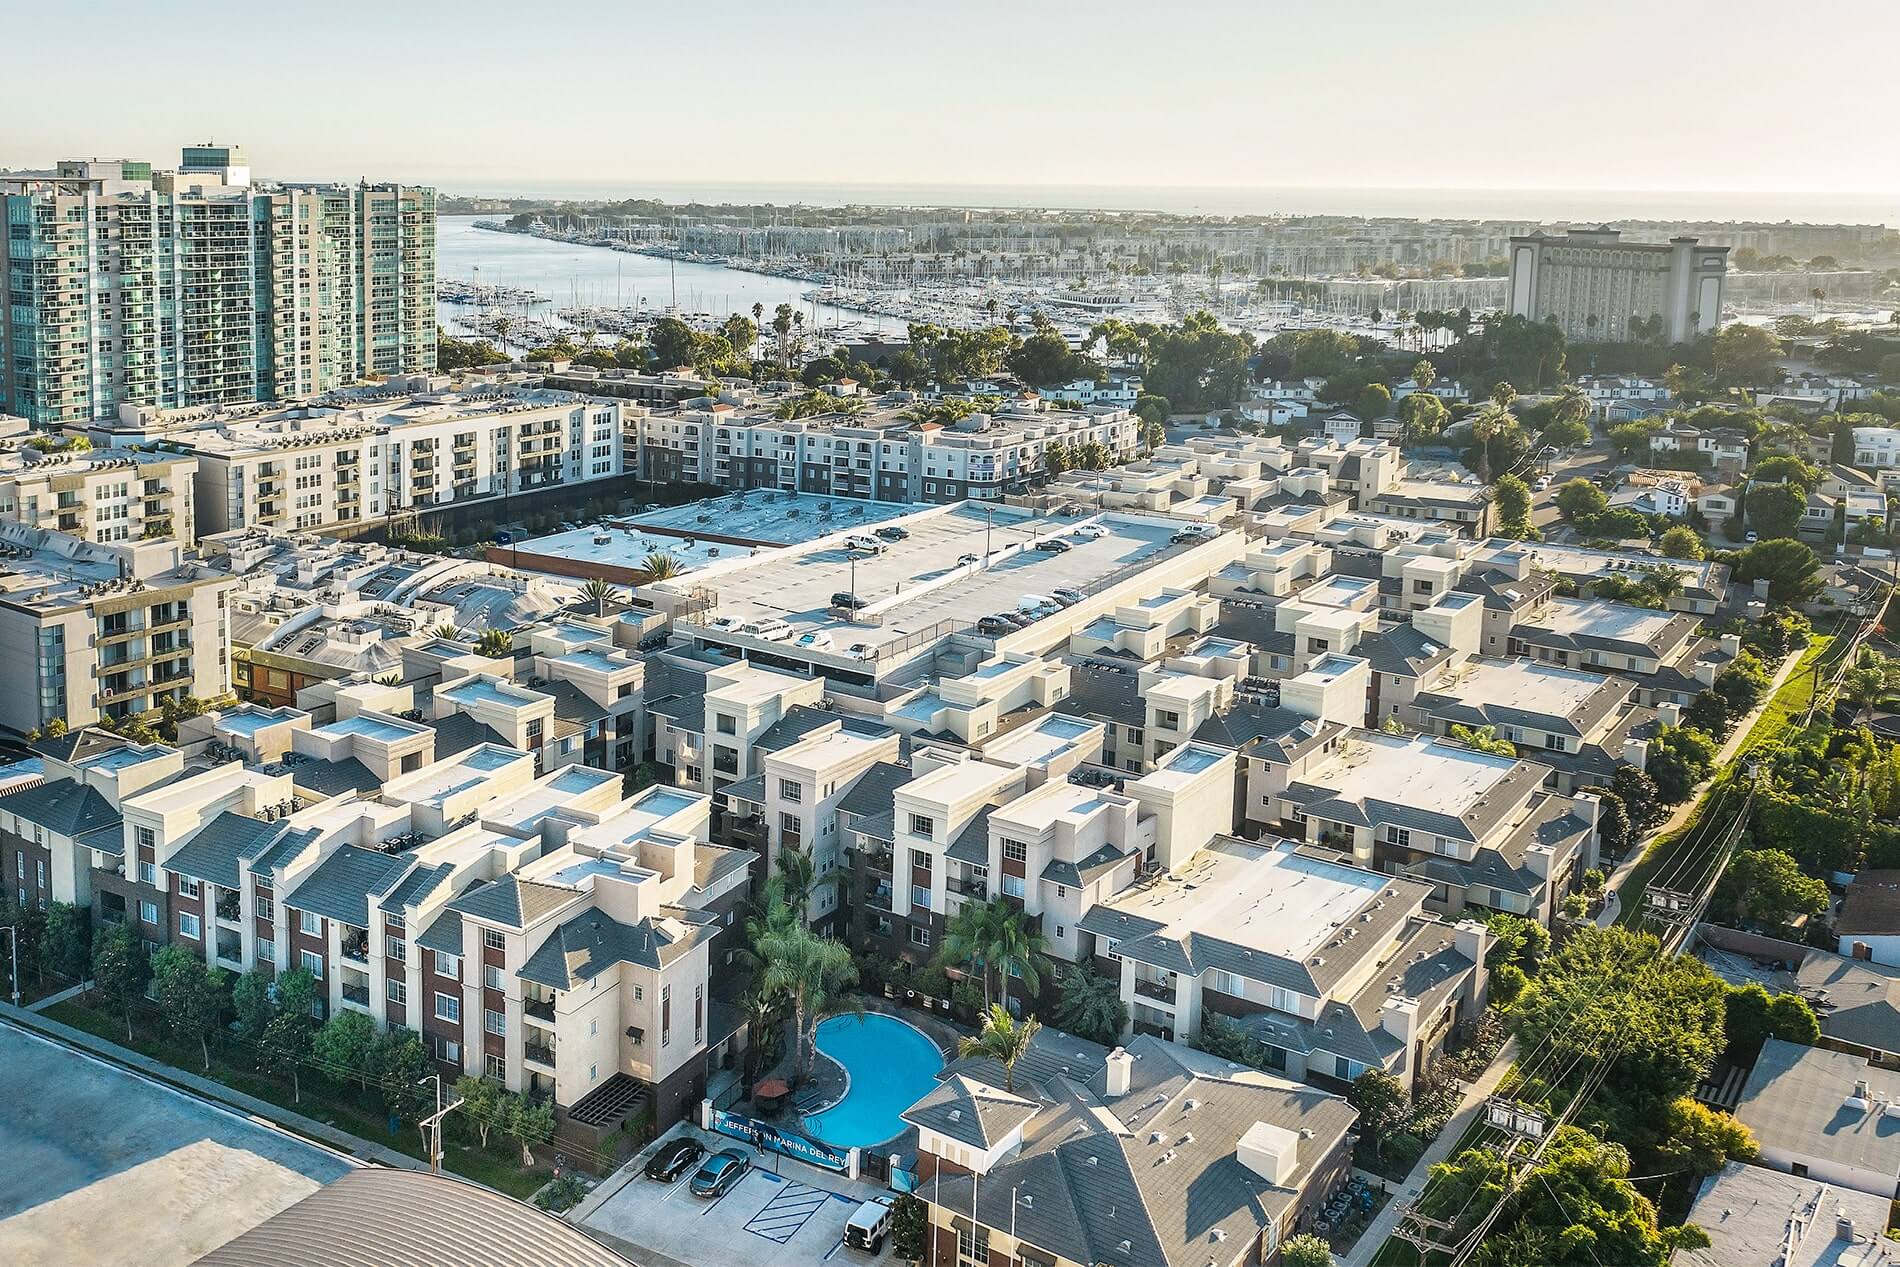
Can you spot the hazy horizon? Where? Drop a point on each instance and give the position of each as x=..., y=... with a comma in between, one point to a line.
x=1687, y=106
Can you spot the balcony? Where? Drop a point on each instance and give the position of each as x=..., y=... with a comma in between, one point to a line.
x=539, y=1009
x=1161, y=992
x=978, y=889
x=229, y=909
x=356, y=996
x=356, y=946
x=536, y=1054
x=879, y=899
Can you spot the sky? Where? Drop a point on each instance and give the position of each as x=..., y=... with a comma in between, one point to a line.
x=480, y=97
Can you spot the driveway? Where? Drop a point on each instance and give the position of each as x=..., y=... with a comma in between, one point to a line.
x=782, y=1213
x=100, y=1165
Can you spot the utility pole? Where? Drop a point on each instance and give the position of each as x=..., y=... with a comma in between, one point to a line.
x=432, y=1124
x=13, y=959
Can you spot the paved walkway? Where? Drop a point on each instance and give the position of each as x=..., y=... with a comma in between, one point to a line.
x=342, y=1141
x=1612, y=899
x=1380, y=1229
x=70, y=992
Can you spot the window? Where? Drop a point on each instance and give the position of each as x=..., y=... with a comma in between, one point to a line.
x=973, y=1244
x=699, y=1014
x=397, y=949
x=493, y=939
x=266, y=909
x=1108, y=948
x=309, y=923
x=1015, y=851
x=1398, y=836
x=266, y=951
x=187, y=887
x=920, y=859
x=148, y=912
x=791, y=790
x=398, y=991
x=922, y=825
x=190, y=926
x=313, y=964
x=1228, y=983
x=725, y=725
x=146, y=838
x=666, y=1015
x=496, y=1066
x=447, y=1007
x=1013, y=885
x=919, y=935
x=491, y=976
x=449, y=966
x=494, y=1022
x=148, y=874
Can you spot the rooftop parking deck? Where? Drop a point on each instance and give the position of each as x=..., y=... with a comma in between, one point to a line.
x=937, y=576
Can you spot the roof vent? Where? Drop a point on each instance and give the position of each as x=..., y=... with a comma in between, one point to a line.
x=1091, y=1160
x=1191, y=1105
x=956, y=1115
x=1029, y=1202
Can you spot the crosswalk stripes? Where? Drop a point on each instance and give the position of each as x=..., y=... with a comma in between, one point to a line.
x=788, y=1212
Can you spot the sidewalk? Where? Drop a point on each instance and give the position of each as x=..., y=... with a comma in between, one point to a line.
x=206, y=1088
x=1380, y=1229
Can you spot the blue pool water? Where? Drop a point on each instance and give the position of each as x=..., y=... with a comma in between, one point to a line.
x=891, y=1067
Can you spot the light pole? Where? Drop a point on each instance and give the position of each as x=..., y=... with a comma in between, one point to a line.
x=433, y=1123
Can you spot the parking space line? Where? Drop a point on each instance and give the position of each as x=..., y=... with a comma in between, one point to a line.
x=787, y=1213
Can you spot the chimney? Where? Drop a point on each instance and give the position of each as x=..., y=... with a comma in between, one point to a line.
x=1860, y=1101
x=1731, y=644
x=1669, y=713
x=1844, y=1229
x=1118, y=1072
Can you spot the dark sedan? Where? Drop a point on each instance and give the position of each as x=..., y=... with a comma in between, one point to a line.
x=721, y=1171
x=674, y=1159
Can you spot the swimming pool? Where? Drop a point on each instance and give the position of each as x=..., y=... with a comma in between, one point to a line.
x=891, y=1066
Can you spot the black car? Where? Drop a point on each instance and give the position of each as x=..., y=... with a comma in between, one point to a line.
x=721, y=1171
x=891, y=532
x=844, y=600
x=674, y=1159
x=1053, y=545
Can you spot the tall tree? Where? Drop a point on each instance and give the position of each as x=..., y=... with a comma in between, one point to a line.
x=1090, y=1005
x=1003, y=1039
x=120, y=971
x=190, y=996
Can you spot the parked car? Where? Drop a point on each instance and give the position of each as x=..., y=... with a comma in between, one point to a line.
x=1091, y=531
x=1067, y=597
x=771, y=630
x=845, y=600
x=864, y=545
x=816, y=640
x=1053, y=545
x=967, y=560
x=869, y=1224
x=861, y=651
x=674, y=1159
x=995, y=626
x=720, y=1171
x=1543, y=482
x=891, y=532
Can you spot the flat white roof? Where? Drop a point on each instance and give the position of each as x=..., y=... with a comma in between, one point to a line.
x=770, y=516
x=1052, y=802
x=1621, y=621
x=623, y=547
x=1420, y=770
x=1526, y=684
x=1268, y=899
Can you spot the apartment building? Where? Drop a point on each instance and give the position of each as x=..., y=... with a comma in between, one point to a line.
x=1581, y=725
x=1208, y=1162
x=99, y=495
x=1484, y=830
x=1665, y=653
x=880, y=452
x=192, y=288
x=708, y=715
x=361, y=455
x=1597, y=287
x=1334, y=967
x=89, y=631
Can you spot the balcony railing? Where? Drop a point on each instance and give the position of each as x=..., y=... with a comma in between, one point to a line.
x=878, y=899
x=357, y=994
x=540, y=1009
x=357, y=947
x=535, y=1054
x=1157, y=990
x=968, y=888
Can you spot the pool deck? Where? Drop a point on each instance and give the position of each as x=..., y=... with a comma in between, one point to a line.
x=828, y=1080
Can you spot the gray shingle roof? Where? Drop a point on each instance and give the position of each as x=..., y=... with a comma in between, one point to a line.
x=592, y=941
x=1111, y=695
x=66, y=807
x=973, y=842
x=443, y=935
x=971, y=1112
x=802, y=719
x=415, y=887
x=875, y=790
x=458, y=732
x=221, y=845
x=512, y=902
x=342, y=884
x=1280, y=733
x=328, y=778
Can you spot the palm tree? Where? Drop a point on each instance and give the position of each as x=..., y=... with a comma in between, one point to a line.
x=1487, y=422
x=446, y=630
x=1091, y=1005
x=1004, y=1040
x=503, y=324
x=660, y=566
x=1018, y=950
x=814, y=973
x=967, y=939
x=600, y=593
x=761, y=1010
x=494, y=643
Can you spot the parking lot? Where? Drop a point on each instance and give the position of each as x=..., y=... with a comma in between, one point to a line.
x=781, y=1212
x=101, y=1166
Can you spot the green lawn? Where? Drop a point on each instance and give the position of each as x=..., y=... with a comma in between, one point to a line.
x=1787, y=703
x=335, y=1104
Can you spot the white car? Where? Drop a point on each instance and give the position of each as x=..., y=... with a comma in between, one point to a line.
x=1543, y=482
x=1091, y=531
x=869, y=1224
x=816, y=640
x=727, y=624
